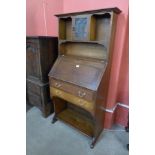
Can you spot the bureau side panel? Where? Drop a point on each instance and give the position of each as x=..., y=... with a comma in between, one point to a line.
x=102, y=92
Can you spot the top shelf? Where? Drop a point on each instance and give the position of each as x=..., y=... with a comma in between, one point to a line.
x=86, y=28
x=114, y=9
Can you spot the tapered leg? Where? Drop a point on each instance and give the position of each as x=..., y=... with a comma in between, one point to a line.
x=54, y=119
x=127, y=130
x=94, y=140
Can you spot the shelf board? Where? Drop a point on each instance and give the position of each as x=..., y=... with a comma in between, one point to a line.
x=77, y=41
x=77, y=120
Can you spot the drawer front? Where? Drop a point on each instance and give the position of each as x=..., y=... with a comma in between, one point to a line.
x=89, y=106
x=33, y=88
x=75, y=90
x=34, y=99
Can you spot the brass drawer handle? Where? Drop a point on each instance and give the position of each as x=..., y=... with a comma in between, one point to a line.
x=81, y=103
x=58, y=85
x=58, y=92
x=81, y=94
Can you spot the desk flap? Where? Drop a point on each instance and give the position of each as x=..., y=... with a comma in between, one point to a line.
x=84, y=73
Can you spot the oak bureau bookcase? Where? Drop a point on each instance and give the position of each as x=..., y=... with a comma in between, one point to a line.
x=79, y=79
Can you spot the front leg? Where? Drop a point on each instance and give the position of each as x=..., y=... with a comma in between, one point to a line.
x=54, y=119
x=93, y=143
x=94, y=140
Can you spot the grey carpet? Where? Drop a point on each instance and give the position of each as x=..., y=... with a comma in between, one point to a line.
x=44, y=138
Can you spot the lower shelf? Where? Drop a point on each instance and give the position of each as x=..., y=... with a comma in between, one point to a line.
x=76, y=120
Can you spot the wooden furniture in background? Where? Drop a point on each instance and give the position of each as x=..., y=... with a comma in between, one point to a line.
x=41, y=53
x=79, y=79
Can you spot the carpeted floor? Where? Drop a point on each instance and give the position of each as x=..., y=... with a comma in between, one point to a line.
x=44, y=138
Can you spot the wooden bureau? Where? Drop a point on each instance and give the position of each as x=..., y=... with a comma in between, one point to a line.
x=79, y=79
x=41, y=53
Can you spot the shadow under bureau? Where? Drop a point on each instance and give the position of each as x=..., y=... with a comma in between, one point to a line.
x=79, y=79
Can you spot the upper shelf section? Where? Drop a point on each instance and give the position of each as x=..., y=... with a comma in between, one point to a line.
x=94, y=28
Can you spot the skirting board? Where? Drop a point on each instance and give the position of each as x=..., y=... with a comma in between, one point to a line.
x=113, y=109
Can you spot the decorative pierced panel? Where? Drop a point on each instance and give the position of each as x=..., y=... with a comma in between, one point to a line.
x=80, y=29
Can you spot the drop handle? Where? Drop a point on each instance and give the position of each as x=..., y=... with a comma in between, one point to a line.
x=58, y=85
x=81, y=94
x=58, y=93
x=81, y=103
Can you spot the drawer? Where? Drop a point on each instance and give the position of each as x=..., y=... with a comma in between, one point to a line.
x=89, y=106
x=73, y=89
x=34, y=99
x=33, y=88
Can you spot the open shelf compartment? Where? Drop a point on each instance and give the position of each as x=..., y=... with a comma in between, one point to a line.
x=83, y=49
x=74, y=116
x=65, y=28
x=100, y=27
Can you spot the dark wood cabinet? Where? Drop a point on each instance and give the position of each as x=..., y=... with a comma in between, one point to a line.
x=79, y=79
x=41, y=53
